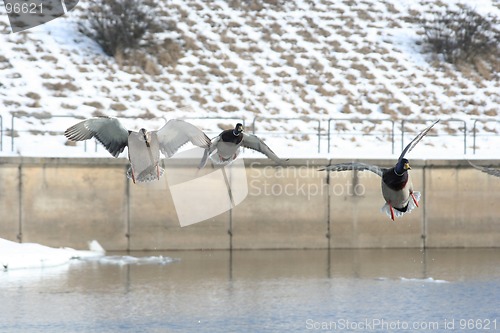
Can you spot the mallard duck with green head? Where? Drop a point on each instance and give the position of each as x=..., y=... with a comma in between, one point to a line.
x=397, y=187
x=225, y=147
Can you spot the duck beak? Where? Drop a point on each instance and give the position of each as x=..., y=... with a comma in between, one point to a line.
x=407, y=166
x=240, y=128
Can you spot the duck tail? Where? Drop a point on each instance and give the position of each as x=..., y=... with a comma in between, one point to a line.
x=412, y=204
x=151, y=173
x=387, y=210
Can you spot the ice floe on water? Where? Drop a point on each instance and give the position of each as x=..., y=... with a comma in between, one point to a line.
x=404, y=279
x=32, y=255
x=14, y=256
x=426, y=280
x=130, y=260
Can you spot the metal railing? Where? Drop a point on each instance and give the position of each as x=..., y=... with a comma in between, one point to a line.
x=234, y=119
x=304, y=119
x=359, y=120
x=13, y=131
x=450, y=120
x=1, y=133
x=474, y=130
x=318, y=131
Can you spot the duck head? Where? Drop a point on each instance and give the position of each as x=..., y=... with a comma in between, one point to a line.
x=238, y=129
x=402, y=166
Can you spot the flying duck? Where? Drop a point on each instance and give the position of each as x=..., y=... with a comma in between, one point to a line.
x=397, y=188
x=225, y=147
x=489, y=171
x=143, y=146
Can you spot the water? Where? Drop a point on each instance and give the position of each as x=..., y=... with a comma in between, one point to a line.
x=259, y=291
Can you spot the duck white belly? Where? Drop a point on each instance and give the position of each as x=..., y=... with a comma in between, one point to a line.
x=226, y=152
x=397, y=199
x=401, y=201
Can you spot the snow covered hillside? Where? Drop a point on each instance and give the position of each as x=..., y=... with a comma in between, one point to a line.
x=313, y=62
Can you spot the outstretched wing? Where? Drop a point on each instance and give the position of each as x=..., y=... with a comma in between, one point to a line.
x=208, y=151
x=176, y=133
x=354, y=166
x=417, y=139
x=489, y=171
x=253, y=142
x=107, y=130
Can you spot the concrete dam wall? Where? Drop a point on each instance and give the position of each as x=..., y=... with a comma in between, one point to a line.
x=70, y=201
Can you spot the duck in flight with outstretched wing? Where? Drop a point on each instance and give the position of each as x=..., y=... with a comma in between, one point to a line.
x=397, y=187
x=487, y=170
x=143, y=146
x=225, y=147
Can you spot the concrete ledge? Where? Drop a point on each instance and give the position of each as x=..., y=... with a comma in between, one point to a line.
x=69, y=201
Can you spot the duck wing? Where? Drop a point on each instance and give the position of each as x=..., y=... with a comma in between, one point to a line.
x=416, y=140
x=175, y=133
x=107, y=130
x=489, y=171
x=253, y=142
x=208, y=151
x=354, y=166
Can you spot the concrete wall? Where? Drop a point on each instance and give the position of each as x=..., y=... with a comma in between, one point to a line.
x=68, y=202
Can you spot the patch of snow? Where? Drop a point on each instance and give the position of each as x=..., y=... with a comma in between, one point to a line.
x=312, y=59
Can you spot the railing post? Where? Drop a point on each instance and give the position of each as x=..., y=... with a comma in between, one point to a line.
x=474, y=130
x=253, y=124
x=12, y=133
x=392, y=136
x=474, y=137
x=328, y=137
x=465, y=138
x=319, y=136
x=1, y=133
x=402, y=134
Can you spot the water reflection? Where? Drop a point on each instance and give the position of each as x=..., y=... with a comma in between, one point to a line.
x=243, y=291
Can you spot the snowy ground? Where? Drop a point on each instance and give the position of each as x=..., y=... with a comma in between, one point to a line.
x=311, y=62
